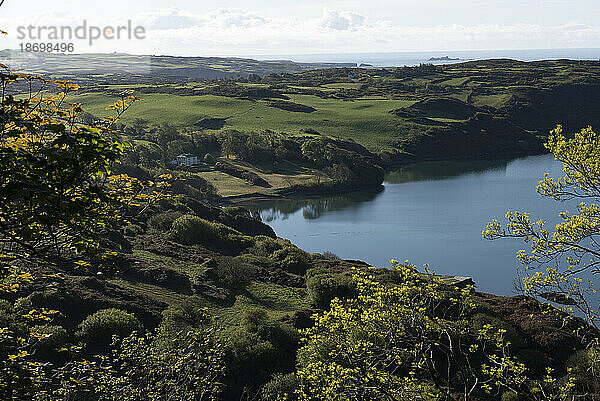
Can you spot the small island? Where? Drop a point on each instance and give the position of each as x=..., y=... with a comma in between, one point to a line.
x=444, y=58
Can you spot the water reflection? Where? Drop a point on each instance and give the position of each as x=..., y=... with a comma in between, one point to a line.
x=312, y=209
x=428, y=213
x=439, y=170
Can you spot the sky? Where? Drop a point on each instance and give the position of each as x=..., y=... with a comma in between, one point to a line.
x=271, y=27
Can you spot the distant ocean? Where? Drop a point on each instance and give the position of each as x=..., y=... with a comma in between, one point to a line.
x=415, y=58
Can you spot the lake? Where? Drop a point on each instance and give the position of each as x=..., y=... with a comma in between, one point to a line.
x=431, y=212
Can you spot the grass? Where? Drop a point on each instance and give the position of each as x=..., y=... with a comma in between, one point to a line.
x=151, y=291
x=285, y=177
x=181, y=111
x=367, y=121
x=320, y=88
x=365, y=118
x=456, y=81
x=280, y=301
x=446, y=119
x=344, y=85
x=185, y=267
x=228, y=185
x=497, y=100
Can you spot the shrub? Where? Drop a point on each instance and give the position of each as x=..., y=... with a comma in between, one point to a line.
x=292, y=259
x=510, y=396
x=192, y=230
x=98, y=329
x=209, y=159
x=234, y=274
x=189, y=314
x=264, y=246
x=331, y=255
x=282, y=336
x=250, y=363
x=584, y=365
x=323, y=288
x=133, y=230
x=163, y=221
x=257, y=321
x=479, y=320
x=260, y=349
x=535, y=361
x=237, y=211
x=11, y=317
x=22, y=306
x=262, y=261
x=46, y=348
x=193, y=186
x=281, y=387
x=187, y=366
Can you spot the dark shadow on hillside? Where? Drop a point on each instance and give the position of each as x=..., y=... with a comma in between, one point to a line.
x=211, y=123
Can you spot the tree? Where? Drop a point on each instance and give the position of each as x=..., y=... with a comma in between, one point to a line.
x=164, y=135
x=139, y=126
x=98, y=329
x=58, y=199
x=317, y=151
x=234, y=144
x=411, y=341
x=562, y=264
x=57, y=193
x=183, y=365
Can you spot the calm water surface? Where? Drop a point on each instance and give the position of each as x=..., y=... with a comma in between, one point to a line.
x=416, y=58
x=430, y=212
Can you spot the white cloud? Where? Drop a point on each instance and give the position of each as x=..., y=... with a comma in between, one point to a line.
x=169, y=19
x=341, y=20
x=229, y=31
x=174, y=18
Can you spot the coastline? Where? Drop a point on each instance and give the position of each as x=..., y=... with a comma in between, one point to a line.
x=311, y=193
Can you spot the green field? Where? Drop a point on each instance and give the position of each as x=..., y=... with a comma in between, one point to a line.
x=505, y=99
x=366, y=121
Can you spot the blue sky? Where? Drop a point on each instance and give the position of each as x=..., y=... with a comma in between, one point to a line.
x=185, y=27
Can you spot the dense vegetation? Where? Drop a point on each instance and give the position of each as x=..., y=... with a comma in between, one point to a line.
x=471, y=110
x=463, y=110
x=122, y=279
x=234, y=163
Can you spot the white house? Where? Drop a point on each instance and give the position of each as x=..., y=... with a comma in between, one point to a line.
x=186, y=159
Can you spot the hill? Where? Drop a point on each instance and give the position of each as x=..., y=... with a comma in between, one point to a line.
x=513, y=105
x=199, y=288
x=151, y=68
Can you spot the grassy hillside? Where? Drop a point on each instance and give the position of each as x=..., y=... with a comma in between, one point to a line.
x=78, y=269
x=264, y=286
x=512, y=105
x=90, y=66
x=367, y=121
